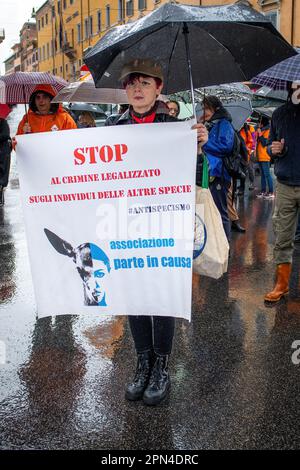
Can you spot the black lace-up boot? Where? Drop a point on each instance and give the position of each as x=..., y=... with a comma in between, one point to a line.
x=136, y=388
x=159, y=383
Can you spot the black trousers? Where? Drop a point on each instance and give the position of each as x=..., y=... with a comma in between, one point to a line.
x=219, y=190
x=4, y=169
x=154, y=333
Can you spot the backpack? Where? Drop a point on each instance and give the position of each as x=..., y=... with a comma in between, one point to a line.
x=236, y=162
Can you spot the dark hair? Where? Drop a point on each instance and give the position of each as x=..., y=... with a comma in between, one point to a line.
x=212, y=102
x=88, y=117
x=265, y=121
x=136, y=75
x=33, y=107
x=175, y=102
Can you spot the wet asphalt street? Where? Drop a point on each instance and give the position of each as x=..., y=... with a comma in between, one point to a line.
x=234, y=385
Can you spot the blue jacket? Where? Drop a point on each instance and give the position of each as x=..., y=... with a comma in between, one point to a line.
x=220, y=143
x=285, y=125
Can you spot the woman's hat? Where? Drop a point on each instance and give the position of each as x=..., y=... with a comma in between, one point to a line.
x=143, y=66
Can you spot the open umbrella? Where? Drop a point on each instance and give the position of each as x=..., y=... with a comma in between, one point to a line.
x=280, y=75
x=196, y=46
x=17, y=87
x=266, y=112
x=86, y=92
x=239, y=112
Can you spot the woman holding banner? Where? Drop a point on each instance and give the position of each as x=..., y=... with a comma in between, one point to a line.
x=153, y=336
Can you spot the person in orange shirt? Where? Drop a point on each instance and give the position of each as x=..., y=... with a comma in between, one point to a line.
x=44, y=116
x=264, y=159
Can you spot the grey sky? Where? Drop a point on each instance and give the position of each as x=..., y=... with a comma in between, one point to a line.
x=14, y=13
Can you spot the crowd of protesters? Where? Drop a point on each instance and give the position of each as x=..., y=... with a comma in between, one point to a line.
x=263, y=144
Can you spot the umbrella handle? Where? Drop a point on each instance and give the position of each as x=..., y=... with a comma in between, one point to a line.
x=24, y=96
x=185, y=31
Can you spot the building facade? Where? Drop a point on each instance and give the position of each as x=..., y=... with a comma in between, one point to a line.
x=28, y=42
x=67, y=28
x=9, y=64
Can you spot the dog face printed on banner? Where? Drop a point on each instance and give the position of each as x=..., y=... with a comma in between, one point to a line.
x=91, y=263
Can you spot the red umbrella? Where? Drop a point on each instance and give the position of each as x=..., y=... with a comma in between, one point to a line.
x=4, y=111
x=17, y=87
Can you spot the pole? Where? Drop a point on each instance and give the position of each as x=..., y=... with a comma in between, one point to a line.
x=89, y=24
x=293, y=23
x=24, y=96
x=81, y=29
x=53, y=42
x=185, y=31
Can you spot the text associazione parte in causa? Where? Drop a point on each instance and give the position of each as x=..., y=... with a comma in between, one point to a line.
x=149, y=261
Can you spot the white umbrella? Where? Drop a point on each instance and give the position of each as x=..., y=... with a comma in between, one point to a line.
x=86, y=92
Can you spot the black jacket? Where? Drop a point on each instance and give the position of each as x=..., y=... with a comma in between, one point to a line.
x=161, y=115
x=5, y=141
x=285, y=125
x=5, y=151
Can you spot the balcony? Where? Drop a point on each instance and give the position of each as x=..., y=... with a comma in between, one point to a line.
x=69, y=51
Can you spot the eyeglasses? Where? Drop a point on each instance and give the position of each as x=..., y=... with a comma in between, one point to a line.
x=143, y=84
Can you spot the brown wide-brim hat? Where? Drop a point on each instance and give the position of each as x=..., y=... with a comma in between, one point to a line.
x=143, y=66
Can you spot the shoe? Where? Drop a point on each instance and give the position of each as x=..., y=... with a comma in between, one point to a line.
x=269, y=196
x=135, y=390
x=236, y=227
x=283, y=273
x=260, y=194
x=159, y=383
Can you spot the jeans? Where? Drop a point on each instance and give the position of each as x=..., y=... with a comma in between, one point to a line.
x=266, y=177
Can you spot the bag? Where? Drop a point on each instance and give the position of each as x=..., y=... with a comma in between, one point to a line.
x=236, y=162
x=211, y=247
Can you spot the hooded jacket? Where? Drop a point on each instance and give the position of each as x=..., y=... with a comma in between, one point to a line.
x=220, y=143
x=285, y=124
x=57, y=119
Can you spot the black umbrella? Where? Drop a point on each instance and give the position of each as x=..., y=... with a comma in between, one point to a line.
x=92, y=108
x=220, y=44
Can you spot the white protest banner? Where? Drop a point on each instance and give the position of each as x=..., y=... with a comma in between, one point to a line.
x=109, y=215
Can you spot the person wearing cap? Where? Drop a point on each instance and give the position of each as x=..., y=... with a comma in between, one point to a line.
x=44, y=116
x=153, y=336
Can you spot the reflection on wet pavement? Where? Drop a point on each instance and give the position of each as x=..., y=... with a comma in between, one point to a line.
x=234, y=384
